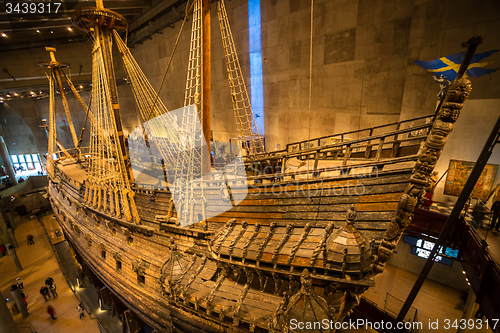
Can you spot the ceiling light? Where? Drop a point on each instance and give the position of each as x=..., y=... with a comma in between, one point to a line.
x=69, y=28
x=81, y=87
x=8, y=95
x=38, y=31
x=51, y=31
x=3, y=34
x=15, y=94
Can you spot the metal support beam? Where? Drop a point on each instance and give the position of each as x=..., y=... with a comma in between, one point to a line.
x=7, y=323
x=16, y=294
x=13, y=254
x=4, y=154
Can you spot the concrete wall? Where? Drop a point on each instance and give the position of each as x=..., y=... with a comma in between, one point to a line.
x=362, y=54
x=362, y=69
x=17, y=135
x=450, y=276
x=467, y=139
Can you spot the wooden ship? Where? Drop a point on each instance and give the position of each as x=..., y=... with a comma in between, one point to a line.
x=302, y=232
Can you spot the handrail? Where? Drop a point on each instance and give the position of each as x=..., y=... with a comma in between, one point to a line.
x=71, y=152
x=371, y=129
x=342, y=135
x=352, y=142
x=356, y=149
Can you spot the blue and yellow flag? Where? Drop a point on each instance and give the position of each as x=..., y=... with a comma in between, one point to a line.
x=449, y=66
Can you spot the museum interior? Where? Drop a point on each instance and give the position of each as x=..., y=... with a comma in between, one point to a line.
x=249, y=166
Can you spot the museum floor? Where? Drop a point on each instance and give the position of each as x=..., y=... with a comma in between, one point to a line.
x=39, y=262
x=435, y=301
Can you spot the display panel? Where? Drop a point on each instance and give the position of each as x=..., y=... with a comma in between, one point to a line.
x=428, y=246
x=425, y=254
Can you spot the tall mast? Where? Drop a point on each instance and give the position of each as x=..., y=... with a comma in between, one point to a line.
x=102, y=22
x=206, y=79
x=55, y=67
x=103, y=32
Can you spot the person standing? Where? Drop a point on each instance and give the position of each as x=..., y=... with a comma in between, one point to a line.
x=52, y=289
x=45, y=293
x=24, y=296
x=81, y=310
x=49, y=282
x=19, y=283
x=51, y=311
x=495, y=208
x=30, y=240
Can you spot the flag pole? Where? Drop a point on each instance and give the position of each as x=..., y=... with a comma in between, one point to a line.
x=471, y=45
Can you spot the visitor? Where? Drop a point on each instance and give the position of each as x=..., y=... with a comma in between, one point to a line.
x=495, y=209
x=49, y=282
x=478, y=213
x=52, y=289
x=45, y=293
x=19, y=283
x=24, y=297
x=51, y=311
x=81, y=310
x=30, y=240
x=427, y=200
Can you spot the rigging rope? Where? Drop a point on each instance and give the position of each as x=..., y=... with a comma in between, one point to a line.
x=188, y=10
x=245, y=120
x=188, y=168
x=107, y=175
x=160, y=126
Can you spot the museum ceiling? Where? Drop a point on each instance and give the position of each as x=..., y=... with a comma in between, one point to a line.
x=37, y=27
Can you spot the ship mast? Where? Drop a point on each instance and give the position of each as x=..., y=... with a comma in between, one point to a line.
x=107, y=186
x=206, y=55
x=103, y=32
x=102, y=22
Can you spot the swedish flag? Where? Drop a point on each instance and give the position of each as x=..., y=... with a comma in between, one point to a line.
x=449, y=66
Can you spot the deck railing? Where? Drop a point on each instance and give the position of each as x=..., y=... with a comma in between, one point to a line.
x=400, y=139
x=369, y=147
x=70, y=153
